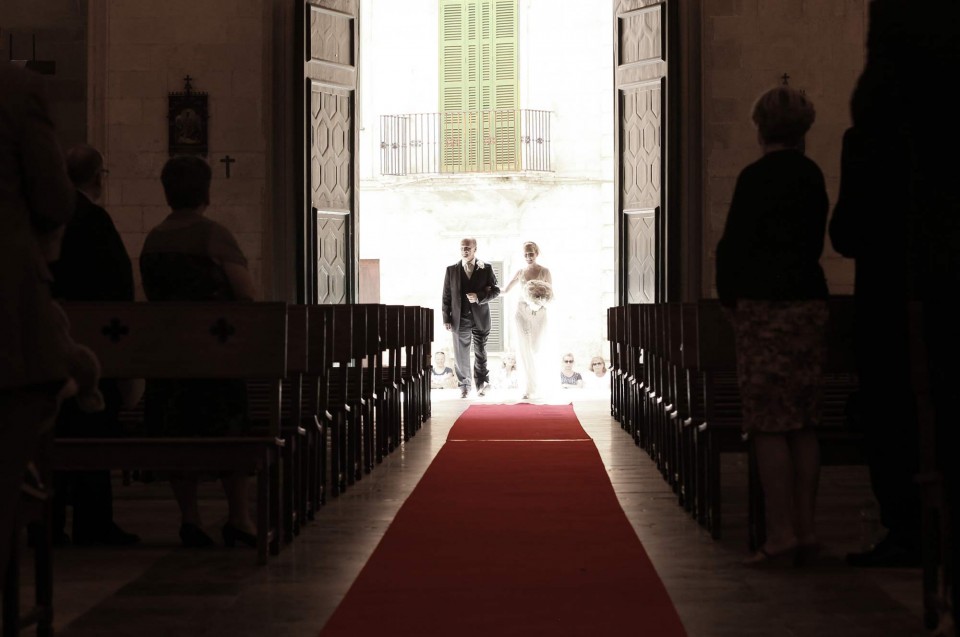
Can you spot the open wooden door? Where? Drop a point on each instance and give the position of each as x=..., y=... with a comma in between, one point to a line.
x=645, y=228
x=330, y=106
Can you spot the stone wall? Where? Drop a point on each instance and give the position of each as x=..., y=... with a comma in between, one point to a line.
x=59, y=34
x=148, y=48
x=747, y=46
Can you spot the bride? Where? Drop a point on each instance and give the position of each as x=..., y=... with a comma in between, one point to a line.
x=536, y=286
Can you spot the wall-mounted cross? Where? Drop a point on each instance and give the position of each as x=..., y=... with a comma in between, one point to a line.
x=786, y=79
x=227, y=160
x=187, y=86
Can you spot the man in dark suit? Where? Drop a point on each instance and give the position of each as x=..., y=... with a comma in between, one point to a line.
x=898, y=219
x=36, y=200
x=93, y=266
x=468, y=287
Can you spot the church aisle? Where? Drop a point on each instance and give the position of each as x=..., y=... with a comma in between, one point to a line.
x=158, y=589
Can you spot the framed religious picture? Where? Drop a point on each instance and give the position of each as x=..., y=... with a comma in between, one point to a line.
x=187, y=121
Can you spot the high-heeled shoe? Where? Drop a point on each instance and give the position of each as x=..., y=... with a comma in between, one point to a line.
x=193, y=537
x=232, y=535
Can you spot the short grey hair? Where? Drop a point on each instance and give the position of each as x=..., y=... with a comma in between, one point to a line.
x=783, y=116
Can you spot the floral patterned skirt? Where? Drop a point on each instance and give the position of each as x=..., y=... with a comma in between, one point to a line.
x=780, y=354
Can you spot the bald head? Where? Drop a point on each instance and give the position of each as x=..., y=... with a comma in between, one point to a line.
x=85, y=167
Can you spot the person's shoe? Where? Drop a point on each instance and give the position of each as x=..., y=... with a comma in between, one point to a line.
x=232, y=535
x=464, y=390
x=886, y=554
x=763, y=559
x=482, y=389
x=114, y=536
x=193, y=537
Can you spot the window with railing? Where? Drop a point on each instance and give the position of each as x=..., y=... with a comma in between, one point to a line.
x=501, y=140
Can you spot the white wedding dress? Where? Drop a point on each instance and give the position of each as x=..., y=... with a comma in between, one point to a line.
x=531, y=319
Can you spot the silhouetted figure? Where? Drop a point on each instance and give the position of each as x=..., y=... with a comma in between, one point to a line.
x=36, y=200
x=93, y=266
x=908, y=45
x=191, y=258
x=868, y=225
x=769, y=277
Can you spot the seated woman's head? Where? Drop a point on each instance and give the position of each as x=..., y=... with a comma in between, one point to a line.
x=509, y=362
x=598, y=366
x=783, y=116
x=440, y=360
x=186, y=182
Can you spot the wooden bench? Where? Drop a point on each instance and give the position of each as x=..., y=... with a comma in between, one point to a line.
x=720, y=418
x=189, y=340
x=678, y=362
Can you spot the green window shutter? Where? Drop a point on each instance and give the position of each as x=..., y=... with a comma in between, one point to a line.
x=479, y=85
x=453, y=82
x=495, y=338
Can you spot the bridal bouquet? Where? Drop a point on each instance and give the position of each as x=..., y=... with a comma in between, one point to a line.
x=537, y=293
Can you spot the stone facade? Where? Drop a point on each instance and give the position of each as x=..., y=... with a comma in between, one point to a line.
x=414, y=224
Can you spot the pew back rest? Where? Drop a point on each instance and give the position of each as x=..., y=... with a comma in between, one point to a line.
x=715, y=341
x=184, y=340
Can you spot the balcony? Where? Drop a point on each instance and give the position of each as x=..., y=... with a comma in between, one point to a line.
x=481, y=141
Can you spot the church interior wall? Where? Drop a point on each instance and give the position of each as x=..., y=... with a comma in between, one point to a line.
x=747, y=46
x=152, y=46
x=56, y=34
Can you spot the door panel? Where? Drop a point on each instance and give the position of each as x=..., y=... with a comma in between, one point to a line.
x=331, y=42
x=641, y=90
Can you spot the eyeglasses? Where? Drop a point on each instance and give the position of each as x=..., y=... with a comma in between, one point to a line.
x=597, y=363
x=568, y=360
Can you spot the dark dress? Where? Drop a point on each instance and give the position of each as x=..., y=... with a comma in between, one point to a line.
x=181, y=261
x=769, y=277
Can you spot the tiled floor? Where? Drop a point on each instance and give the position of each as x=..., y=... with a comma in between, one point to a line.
x=157, y=588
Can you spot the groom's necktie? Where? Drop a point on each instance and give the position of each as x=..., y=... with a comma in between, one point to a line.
x=469, y=269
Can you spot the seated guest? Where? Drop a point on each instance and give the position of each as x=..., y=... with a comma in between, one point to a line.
x=598, y=378
x=507, y=377
x=568, y=377
x=93, y=266
x=598, y=366
x=440, y=375
x=191, y=258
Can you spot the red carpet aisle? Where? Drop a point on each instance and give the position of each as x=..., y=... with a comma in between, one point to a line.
x=513, y=530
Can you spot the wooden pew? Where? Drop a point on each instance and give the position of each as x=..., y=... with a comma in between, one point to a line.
x=718, y=409
x=291, y=418
x=839, y=445
x=189, y=340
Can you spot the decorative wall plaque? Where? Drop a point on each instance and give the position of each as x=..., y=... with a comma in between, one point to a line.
x=187, y=114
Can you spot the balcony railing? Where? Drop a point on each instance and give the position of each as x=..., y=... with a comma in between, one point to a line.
x=482, y=141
